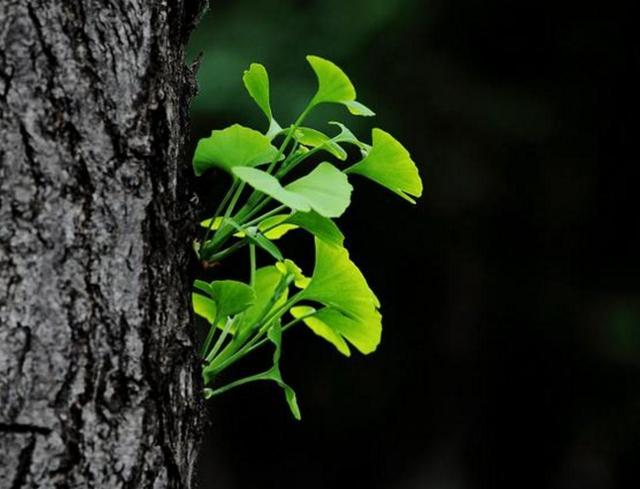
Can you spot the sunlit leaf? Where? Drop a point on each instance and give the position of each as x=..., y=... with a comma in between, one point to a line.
x=389, y=164
x=231, y=297
x=202, y=286
x=265, y=284
x=275, y=227
x=268, y=184
x=279, y=231
x=322, y=329
x=266, y=244
x=235, y=146
x=334, y=86
x=256, y=81
x=316, y=139
x=275, y=336
x=356, y=108
x=320, y=226
x=338, y=284
x=346, y=136
x=289, y=267
x=326, y=189
x=204, y=307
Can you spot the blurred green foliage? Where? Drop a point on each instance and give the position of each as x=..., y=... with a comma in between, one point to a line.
x=231, y=35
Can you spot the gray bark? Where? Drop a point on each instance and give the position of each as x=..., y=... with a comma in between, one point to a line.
x=99, y=380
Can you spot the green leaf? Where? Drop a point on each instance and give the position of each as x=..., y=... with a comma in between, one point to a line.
x=389, y=164
x=338, y=284
x=326, y=189
x=356, y=108
x=253, y=235
x=346, y=136
x=231, y=297
x=321, y=227
x=204, y=307
x=256, y=81
x=316, y=139
x=275, y=227
x=267, y=245
x=275, y=336
x=266, y=283
x=202, y=286
x=235, y=146
x=270, y=226
x=268, y=184
x=287, y=267
x=319, y=327
x=334, y=86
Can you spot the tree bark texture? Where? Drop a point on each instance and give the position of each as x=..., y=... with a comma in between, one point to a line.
x=99, y=382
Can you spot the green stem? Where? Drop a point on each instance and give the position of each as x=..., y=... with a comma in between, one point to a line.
x=237, y=383
x=258, y=219
x=207, y=342
x=284, y=144
x=252, y=262
x=284, y=328
x=223, y=202
x=221, y=338
x=227, y=251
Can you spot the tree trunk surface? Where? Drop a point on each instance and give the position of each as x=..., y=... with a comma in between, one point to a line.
x=99, y=381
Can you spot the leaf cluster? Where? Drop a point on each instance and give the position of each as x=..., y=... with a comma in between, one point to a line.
x=263, y=204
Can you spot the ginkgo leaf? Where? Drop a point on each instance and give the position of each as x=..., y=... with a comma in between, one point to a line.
x=275, y=227
x=389, y=164
x=268, y=184
x=316, y=139
x=275, y=336
x=270, y=227
x=326, y=189
x=266, y=282
x=235, y=146
x=231, y=297
x=338, y=284
x=320, y=328
x=357, y=108
x=334, y=86
x=289, y=267
x=346, y=136
x=266, y=244
x=256, y=81
x=321, y=227
x=204, y=307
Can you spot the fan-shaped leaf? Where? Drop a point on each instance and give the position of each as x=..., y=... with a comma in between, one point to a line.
x=338, y=284
x=289, y=267
x=322, y=329
x=204, y=307
x=231, y=297
x=268, y=184
x=265, y=285
x=256, y=81
x=275, y=227
x=321, y=227
x=334, y=86
x=389, y=164
x=232, y=147
x=316, y=139
x=275, y=336
x=326, y=189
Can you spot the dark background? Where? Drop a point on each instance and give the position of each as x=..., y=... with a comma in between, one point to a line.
x=511, y=301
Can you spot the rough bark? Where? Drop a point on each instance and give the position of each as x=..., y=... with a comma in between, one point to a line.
x=98, y=379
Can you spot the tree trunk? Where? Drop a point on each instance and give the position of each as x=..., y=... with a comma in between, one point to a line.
x=99, y=382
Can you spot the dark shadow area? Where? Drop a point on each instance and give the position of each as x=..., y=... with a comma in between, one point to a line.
x=511, y=295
